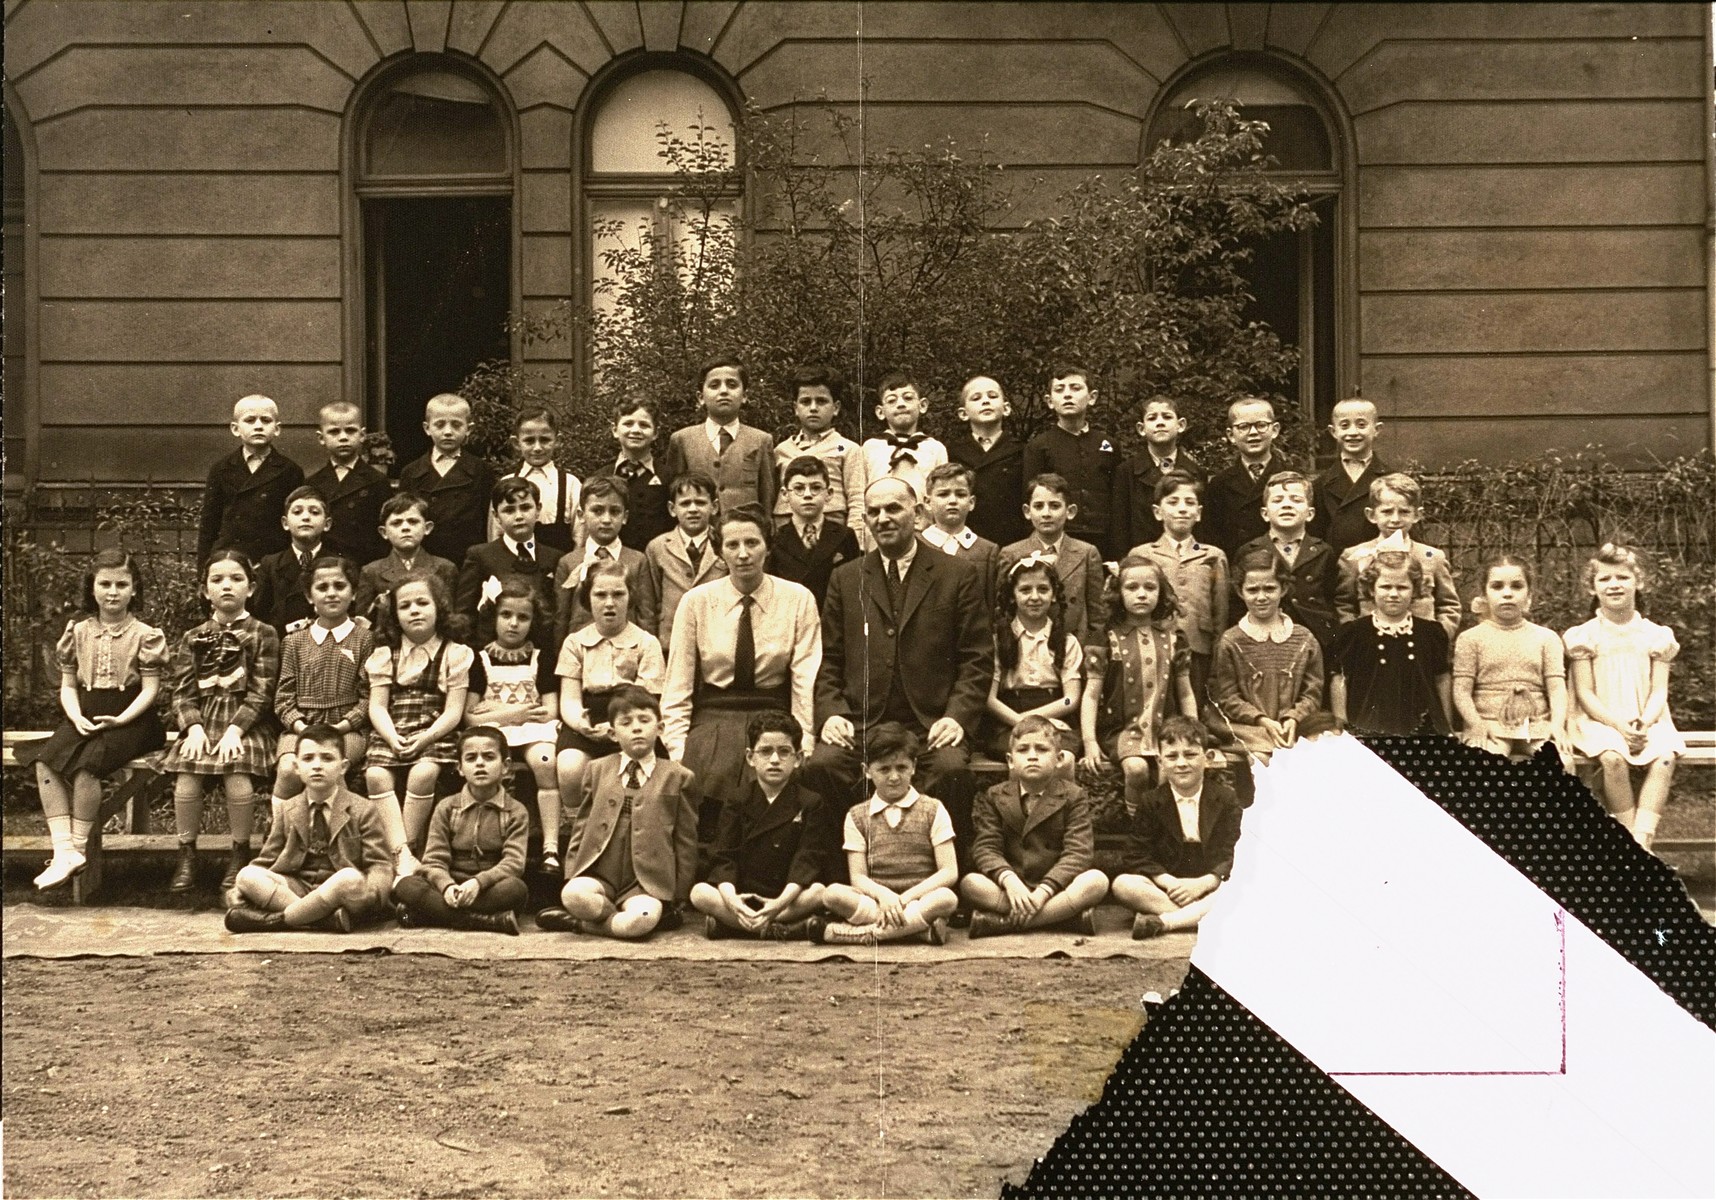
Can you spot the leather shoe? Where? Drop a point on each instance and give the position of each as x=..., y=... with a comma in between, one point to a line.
x=185, y=870
x=235, y=861
x=245, y=919
x=501, y=922
x=985, y=925
x=558, y=920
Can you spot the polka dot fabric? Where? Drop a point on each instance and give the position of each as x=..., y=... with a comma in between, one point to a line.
x=1208, y=1101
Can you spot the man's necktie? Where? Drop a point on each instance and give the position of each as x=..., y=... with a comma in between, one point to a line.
x=319, y=828
x=634, y=776
x=694, y=551
x=723, y=441
x=745, y=649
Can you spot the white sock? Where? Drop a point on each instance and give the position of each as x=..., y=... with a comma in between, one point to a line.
x=60, y=830
x=80, y=834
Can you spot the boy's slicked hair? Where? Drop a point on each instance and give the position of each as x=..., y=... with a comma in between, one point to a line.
x=1183, y=731
x=1035, y=723
x=1287, y=479
x=304, y=492
x=950, y=471
x=629, y=697
x=804, y=466
x=696, y=481
x=895, y=380
x=817, y=376
x=886, y=740
x=1168, y=401
x=773, y=720
x=483, y=733
x=603, y=487
x=331, y=562
x=1401, y=484
x=626, y=405
x=403, y=502
x=536, y=412
x=512, y=487
x=1068, y=367
x=1055, y=483
x=722, y=360
x=1173, y=481
x=323, y=734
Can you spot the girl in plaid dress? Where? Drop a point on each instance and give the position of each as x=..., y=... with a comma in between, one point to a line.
x=223, y=695
x=418, y=678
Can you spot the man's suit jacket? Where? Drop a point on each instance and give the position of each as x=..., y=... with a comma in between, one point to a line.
x=278, y=597
x=1054, y=844
x=999, y=515
x=664, y=826
x=458, y=502
x=762, y=847
x=1156, y=844
x=354, y=507
x=1316, y=572
x=1233, y=506
x=494, y=559
x=1200, y=581
x=671, y=576
x=745, y=472
x=939, y=641
x=1340, y=503
x=382, y=574
x=354, y=840
x=1131, y=512
x=647, y=517
x=242, y=508
x=1442, y=605
x=789, y=560
x=1079, y=564
x=569, y=611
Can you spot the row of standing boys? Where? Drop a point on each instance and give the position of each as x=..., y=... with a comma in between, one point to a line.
x=575, y=585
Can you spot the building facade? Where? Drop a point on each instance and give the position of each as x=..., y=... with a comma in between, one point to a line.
x=322, y=199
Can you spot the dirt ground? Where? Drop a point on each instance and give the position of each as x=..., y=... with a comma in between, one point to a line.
x=408, y=1075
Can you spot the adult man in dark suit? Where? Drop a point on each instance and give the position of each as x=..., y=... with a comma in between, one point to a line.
x=905, y=637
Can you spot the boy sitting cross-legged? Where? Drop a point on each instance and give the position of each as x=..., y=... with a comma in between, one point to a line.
x=1180, y=847
x=472, y=873
x=1034, y=844
x=633, y=852
x=899, y=853
x=772, y=845
x=325, y=864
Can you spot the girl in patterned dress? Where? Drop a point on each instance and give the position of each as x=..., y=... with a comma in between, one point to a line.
x=322, y=679
x=418, y=677
x=1039, y=666
x=223, y=701
x=1148, y=662
x=110, y=671
x=1268, y=671
x=514, y=689
x=1510, y=676
x=1620, y=662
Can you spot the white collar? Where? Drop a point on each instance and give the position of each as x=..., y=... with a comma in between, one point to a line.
x=449, y=459
x=315, y=552
x=799, y=440
x=714, y=431
x=986, y=441
x=1053, y=547
x=408, y=648
x=526, y=471
x=877, y=804
x=1257, y=633
x=514, y=545
x=1165, y=464
x=255, y=458
x=700, y=540
x=804, y=527
x=761, y=597
x=320, y=633
x=904, y=561
x=1040, y=635
x=1383, y=625
x=646, y=765
x=1183, y=800
x=589, y=636
x=591, y=545
x=940, y=538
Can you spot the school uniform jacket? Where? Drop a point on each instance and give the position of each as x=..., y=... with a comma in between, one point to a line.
x=1442, y=605
x=939, y=642
x=1316, y=572
x=671, y=575
x=555, y=527
x=789, y=560
x=1233, y=505
x=354, y=510
x=381, y=575
x=1000, y=471
x=1340, y=503
x=354, y=840
x=1054, y=843
x=981, y=553
x=762, y=847
x=745, y=471
x=664, y=826
x=647, y=517
x=242, y=508
x=493, y=559
x=458, y=502
x=1135, y=480
x=279, y=594
x=1199, y=577
x=1088, y=461
x=570, y=614
x=1156, y=845
x=1079, y=564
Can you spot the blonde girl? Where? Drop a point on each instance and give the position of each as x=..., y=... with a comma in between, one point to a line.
x=224, y=672
x=1620, y=662
x=1510, y=676
x=1147, y=663
x=418, y=678
x=110, y=671
x=1039, y=666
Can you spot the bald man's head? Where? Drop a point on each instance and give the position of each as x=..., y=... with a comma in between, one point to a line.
x=890, y=512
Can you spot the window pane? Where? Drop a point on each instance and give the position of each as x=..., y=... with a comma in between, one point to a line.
x=626, y=231
x=624, y=226
x=623, y=136
x=435, y=123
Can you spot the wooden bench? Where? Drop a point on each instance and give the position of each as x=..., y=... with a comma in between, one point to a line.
x=128, y=796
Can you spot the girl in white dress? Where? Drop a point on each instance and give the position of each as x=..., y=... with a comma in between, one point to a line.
x=1620, y=662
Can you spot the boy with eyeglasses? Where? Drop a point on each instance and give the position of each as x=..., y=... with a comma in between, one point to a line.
x=1233, y=498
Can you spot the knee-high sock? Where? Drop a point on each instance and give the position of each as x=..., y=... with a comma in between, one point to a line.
x=188, y=806
x=418, y=809
x=392, y=824
x=240, y=808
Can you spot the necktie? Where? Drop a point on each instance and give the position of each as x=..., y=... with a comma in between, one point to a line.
x=892, y=572
x=319, y=828
x=630, y=470
x=694, y=551
x=745, y=649
x=723, y=440
x=1256, y=472
x=810, y=532
x=305, y=558
x=526, y=559
x=1025, y=806
x=602, y=553
x=634, y=776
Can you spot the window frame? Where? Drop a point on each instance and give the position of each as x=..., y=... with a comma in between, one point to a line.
x=23, y=407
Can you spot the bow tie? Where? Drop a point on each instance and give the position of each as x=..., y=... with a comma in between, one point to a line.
x=629, y=470
x=907, y=441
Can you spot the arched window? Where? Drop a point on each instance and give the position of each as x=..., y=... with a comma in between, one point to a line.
x=1303, y=282
x=432, y=169
x=634, y=183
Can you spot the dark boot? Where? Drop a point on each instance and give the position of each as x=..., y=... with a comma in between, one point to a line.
x=185, y=872
x=245, y=919
x=501, y=922
x=235, y=860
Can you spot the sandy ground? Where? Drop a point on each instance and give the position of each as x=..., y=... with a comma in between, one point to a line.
x=410, y=1075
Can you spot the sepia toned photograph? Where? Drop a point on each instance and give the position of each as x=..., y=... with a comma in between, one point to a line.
x=762, y=598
